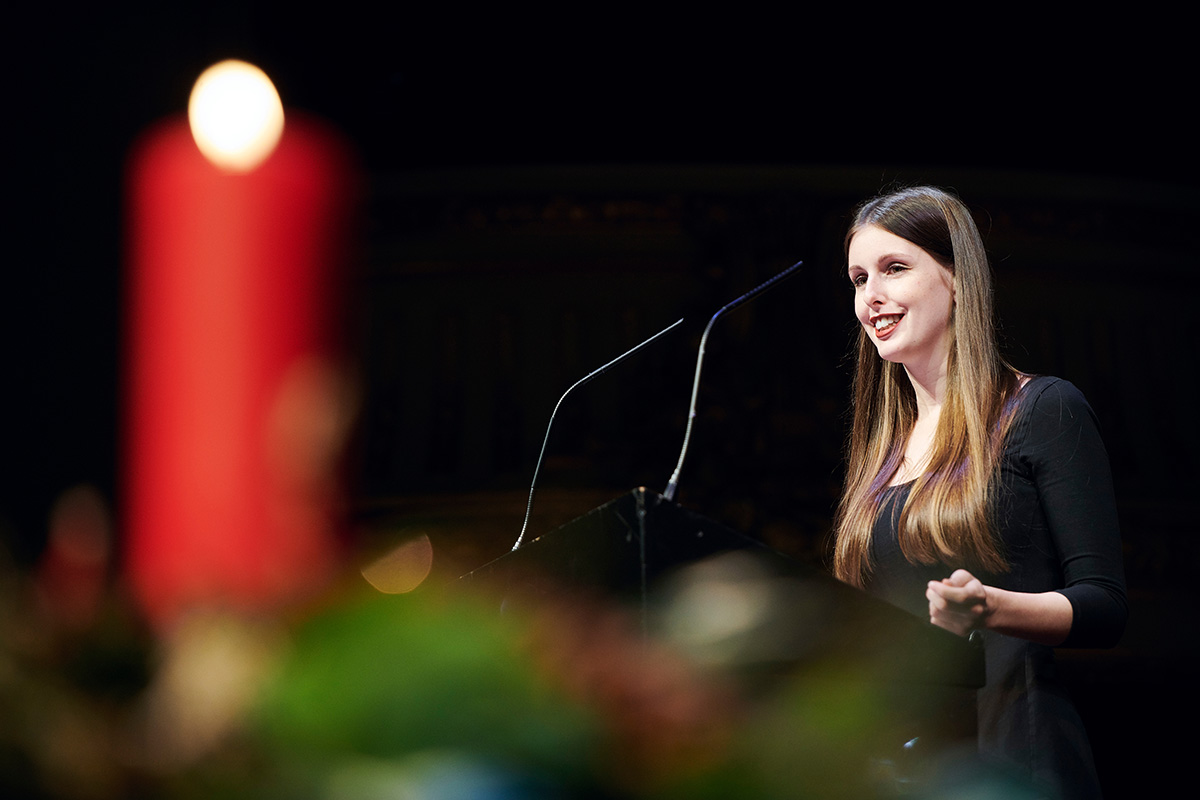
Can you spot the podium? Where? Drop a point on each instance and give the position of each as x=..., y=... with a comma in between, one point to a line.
x=796, y=622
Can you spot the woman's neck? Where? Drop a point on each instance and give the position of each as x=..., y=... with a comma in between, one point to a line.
x=929, y=389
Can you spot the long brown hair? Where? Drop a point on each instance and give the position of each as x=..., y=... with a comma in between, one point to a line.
x=947, y=516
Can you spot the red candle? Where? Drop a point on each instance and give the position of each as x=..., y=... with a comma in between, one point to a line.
x=232, y=398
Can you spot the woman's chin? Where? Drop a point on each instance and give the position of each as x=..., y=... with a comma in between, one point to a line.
x=888, y=353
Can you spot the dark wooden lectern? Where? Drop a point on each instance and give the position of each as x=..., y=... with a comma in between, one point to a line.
x=639, y=548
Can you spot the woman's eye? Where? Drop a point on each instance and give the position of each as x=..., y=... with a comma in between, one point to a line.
x=858, y=280
x=896, y=267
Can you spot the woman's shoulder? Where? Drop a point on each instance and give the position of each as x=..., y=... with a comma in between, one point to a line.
x=1047, y=407
x=1047, y=391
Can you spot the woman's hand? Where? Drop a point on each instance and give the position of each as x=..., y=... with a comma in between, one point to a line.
x=958, y=603
x=962, y=603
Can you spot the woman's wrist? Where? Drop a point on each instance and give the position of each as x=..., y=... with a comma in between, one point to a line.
x=1042, y=617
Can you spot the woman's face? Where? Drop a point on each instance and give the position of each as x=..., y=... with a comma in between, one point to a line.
x=903, y=298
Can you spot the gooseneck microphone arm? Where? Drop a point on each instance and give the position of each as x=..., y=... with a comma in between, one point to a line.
x=673, y=484
x=580, y=382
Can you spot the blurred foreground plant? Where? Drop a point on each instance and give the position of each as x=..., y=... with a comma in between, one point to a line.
x=447, y=691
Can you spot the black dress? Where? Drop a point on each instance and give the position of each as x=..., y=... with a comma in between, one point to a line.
x=1057, y=520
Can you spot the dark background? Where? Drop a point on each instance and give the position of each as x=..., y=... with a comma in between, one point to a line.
x=542, y=192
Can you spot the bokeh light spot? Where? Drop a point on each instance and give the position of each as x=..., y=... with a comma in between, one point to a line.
x=403, y=568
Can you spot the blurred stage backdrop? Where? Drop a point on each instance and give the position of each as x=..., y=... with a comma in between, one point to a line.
x=529, y=211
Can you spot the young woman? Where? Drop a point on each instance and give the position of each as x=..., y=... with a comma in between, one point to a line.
x=975, y=495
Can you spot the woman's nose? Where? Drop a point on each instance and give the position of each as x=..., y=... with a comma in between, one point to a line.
x=873, y=291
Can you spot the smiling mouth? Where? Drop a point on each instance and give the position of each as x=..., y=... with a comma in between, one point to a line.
x=885, y=322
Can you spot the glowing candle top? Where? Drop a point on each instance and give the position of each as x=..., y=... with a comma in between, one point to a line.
x=235, y=115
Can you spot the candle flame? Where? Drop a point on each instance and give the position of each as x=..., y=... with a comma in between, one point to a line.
x=235, y=115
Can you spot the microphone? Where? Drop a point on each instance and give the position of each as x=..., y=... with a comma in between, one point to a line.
x=580, y=382
x=673, y=484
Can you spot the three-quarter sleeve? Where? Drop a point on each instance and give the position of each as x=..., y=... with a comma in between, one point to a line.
x=1071, y=471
